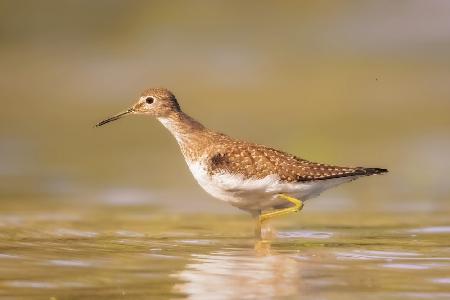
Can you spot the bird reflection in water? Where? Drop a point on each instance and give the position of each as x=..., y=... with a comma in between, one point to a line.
x=240, y=274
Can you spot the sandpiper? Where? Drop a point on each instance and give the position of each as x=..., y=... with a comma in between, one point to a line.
x=258, y=179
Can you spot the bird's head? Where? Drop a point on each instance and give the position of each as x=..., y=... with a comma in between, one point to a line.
x=157, y=102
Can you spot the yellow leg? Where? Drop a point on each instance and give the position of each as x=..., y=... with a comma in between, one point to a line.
x=298, y=205
x=258, y=233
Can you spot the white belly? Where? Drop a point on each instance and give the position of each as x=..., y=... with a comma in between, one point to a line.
x=255, y=195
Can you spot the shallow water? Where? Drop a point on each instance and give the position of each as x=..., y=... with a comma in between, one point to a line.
x=62, y=251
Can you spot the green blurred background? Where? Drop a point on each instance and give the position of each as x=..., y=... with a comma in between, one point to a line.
x=343, y=82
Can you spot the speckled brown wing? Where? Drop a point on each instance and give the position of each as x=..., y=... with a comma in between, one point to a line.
x=257, y=161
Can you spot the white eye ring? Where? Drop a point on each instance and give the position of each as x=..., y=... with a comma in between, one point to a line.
x=149, y=100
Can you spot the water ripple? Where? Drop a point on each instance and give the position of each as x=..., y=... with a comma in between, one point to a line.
x=406, y=266
x=305, y=234
x=433, y=229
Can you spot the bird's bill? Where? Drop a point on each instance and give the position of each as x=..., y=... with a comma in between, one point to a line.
x=116, y=117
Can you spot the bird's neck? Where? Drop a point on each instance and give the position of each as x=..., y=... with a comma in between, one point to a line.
x=184, y=128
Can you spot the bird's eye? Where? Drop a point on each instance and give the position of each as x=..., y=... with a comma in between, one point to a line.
x=149, y=100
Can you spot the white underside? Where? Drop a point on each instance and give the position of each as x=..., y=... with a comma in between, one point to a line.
x=260, y=194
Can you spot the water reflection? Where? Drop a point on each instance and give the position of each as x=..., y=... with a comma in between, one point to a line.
x=240, y=274
x=109, y=252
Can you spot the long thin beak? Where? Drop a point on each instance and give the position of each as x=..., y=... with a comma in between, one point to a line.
x=116, y=117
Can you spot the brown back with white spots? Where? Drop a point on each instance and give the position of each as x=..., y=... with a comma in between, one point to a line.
x=257, y=161
x=223, y=154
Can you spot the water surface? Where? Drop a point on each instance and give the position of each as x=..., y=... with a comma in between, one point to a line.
x=61, y=251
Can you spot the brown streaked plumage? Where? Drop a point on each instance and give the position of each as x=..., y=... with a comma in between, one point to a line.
x=256, y=161
x=248, y=175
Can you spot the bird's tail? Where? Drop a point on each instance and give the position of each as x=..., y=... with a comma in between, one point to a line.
x=373, y=171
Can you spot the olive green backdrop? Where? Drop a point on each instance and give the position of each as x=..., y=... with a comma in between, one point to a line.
x=345, y=82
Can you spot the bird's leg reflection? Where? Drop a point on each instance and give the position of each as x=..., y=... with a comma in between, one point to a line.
x=240, y=274
x=263, y=247
x=258, y=232
x=264, y=235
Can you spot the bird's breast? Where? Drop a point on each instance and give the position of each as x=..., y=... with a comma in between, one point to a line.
x=244, y=193
x=256, y=194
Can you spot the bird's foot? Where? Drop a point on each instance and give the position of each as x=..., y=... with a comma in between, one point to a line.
x=298, y=205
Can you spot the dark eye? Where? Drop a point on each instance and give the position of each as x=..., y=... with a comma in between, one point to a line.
x=149, y=100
